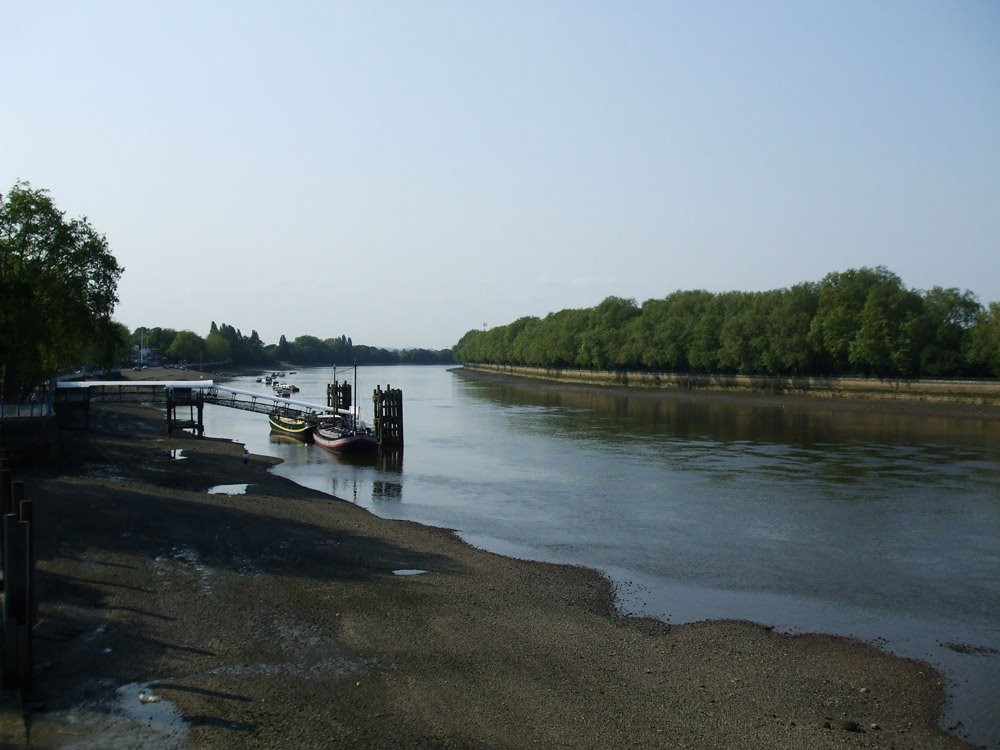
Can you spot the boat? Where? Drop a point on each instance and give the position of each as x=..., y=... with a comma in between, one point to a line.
x=343, y=434
x=290, y=424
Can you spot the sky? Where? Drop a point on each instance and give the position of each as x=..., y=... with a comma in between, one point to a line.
x=402, y=172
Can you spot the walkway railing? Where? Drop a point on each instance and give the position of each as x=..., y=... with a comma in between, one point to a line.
x=28, y=409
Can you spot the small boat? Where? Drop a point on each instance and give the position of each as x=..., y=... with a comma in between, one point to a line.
x=343, y=434
x=290, y=424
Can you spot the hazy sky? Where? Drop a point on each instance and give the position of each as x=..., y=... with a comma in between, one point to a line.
x=401, y=172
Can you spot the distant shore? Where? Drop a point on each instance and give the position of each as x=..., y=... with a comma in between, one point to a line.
x=977, y=407
x=285, y=618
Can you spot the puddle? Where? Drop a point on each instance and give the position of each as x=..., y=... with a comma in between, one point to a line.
x=177, y=454
x=140, y=703
x=228, y=489
x=134, y=715
x=408, y=572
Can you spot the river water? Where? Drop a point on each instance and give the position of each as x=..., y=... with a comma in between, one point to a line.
x=883, y=527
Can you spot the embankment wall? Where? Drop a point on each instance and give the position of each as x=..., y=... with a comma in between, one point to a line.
x=963, y=391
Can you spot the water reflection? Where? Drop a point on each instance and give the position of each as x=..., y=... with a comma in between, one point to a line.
x=383, y=491
x=619, y=416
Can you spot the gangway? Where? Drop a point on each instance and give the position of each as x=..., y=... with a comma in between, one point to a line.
x=264, y=403
x=73, y=398
x=76, y=396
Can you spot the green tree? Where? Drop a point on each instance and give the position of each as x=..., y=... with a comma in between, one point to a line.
x=789, y=350
x=885, y=341
x=58, y=283
x=308, y=350
x=840, y=301
x=601, y=343
x=111, y=350
x=217, y=348
x=984, y=341
x=187, y=346
x=949, y=315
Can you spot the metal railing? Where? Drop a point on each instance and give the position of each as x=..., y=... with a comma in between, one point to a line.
x=26, y=409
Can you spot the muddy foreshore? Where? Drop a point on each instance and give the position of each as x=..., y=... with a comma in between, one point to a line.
x=278, y=618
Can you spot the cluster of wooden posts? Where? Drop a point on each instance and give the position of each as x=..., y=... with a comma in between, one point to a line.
x=18, y=576
x=388, y=416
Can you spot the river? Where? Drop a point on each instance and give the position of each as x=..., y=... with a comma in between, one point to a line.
x=881, y=527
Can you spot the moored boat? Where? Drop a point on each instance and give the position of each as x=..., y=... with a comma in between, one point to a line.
x=343, y=434
x=290, y=424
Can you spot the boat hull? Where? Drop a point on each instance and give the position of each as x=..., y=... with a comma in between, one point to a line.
x=345, y=442
x=291, y=426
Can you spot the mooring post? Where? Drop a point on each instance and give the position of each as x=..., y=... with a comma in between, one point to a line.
x=13, y=563
x=26, y=619
x=388, y=410
x=6, y=506
x=6, y=492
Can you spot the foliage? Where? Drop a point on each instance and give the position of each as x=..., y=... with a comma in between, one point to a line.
x=861, y=321
x=187, y=346
x=227, y=344
x=58, y=282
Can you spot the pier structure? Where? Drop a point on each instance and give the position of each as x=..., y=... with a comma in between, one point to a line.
x=73, y=400
x=388, y=420
x=339, y=395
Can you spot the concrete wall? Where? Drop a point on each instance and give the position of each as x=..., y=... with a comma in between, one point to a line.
x=966, y=391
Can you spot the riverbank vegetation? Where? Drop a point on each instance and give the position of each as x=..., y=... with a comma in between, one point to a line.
x=226, y=344
x=59, y=286
x=58, y=283
x=856, y=322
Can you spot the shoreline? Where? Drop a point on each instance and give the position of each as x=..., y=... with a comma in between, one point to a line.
x=275, y=618
x=831, y=402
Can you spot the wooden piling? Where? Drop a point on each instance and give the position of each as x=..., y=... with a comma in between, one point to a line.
x=388, y=410
x=13, y=596
x=17, y=611
x=339, y=395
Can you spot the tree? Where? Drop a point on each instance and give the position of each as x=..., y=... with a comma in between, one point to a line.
x=111, y=350
x=840, y=300
x=186, y=347
x=984, y=340
x=789, y=350
x=59, y=286
x=949, y=316
x=217, y=348
x=601, y=342
x=885, y=341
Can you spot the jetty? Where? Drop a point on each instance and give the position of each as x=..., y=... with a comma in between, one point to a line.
x=185, y=401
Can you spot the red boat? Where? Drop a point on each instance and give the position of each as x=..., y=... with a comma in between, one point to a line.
x=342, y=433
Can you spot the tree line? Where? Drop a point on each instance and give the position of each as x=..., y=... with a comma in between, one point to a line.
x=227, y=344
x=856, y=322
